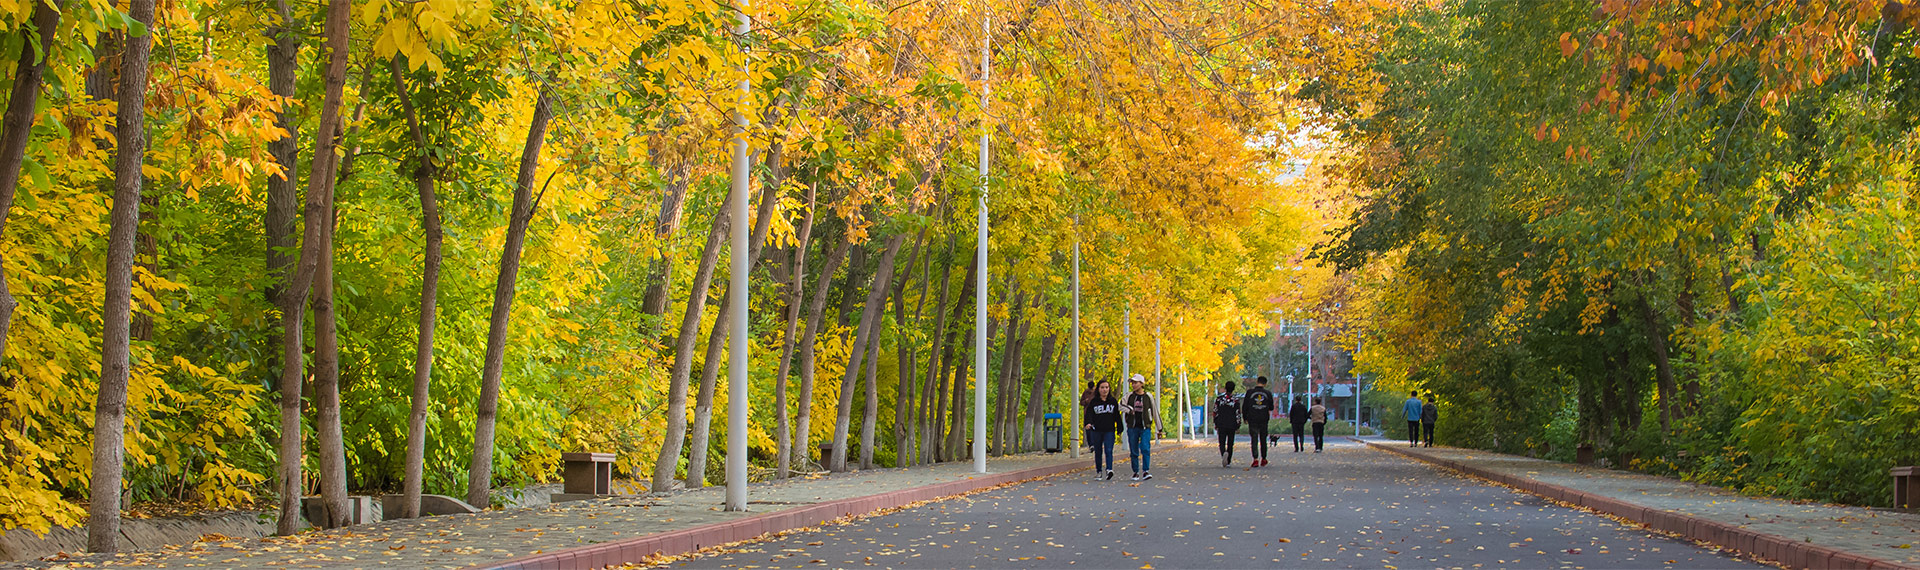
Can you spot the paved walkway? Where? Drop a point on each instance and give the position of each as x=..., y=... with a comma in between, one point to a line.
x=460, y=541
x=1350, y=507
x=1883, y=536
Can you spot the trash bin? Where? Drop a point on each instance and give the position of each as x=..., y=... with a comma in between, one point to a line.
x=1052, y=434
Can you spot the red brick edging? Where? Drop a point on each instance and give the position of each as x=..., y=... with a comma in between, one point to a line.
x=1793, y=553
x=637, y=549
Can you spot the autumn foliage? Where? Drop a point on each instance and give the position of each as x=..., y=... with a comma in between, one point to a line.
x=1150, y=133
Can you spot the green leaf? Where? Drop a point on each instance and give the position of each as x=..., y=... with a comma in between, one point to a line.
x=40, y=179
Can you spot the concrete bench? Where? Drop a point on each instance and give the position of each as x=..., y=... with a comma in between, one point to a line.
x=360, y=510
x=1906, y=487
x=586, y=475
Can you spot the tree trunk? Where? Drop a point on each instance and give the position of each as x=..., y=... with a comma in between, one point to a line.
x=939, y=349
x=782, y=429
x=856, y=269
x=816, y=311
x=667, y=464
x=904, y=385
x=956, y=389
x=906, y=390
x=110, y=408
x=326, y=389
x=423, y=172
x=1657, y=340
x=998, y=378
x=326, y=349
x=1010, y=419
x=22, y=103
x=480, y=471
x=996, y=424
x=660, y=275
x=875, y=302
x=717, y=340
x=1030, y=439
x=283, y=192
x=871, y=410
x=319, y=204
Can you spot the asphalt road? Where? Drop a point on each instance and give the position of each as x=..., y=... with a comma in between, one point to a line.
x=1350, y=507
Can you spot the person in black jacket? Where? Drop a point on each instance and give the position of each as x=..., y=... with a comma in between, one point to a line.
x=1226, y=421
x=1140, y=413
x=1086, y=435
x=1257, y=408
x=1297, y=415
x=1103, y=418
x=1429, y=415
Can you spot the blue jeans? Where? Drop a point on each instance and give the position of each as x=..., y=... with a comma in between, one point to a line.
x=1140, y=449
x=1102, y=443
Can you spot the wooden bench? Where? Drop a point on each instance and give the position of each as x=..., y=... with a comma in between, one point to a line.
x=586, y=475
x=1906, y=487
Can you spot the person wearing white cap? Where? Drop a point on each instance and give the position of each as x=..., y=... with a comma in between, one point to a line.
x=1140, y=414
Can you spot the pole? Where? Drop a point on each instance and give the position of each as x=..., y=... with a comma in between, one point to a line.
x=737, y=342
x=980, y=299
x=1156, y=379
x=1356, y=393
x=1126, y=343
x=1074, y=429
x=1310, y=389
x=1187, y=407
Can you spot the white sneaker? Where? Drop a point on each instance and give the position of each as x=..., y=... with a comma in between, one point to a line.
x=1146, y=476
x=1136, y=476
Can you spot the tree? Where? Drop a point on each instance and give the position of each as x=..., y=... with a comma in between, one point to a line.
x=423, y=172
x=110, y=413
x=480, y=477
x=22, y=109
x=313, y=245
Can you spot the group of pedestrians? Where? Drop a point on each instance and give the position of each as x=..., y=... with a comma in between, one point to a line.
x=1420, y=417
x=1106, y=414
x=1255, y=407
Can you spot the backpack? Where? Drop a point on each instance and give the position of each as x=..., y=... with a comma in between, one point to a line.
x=1226, y=409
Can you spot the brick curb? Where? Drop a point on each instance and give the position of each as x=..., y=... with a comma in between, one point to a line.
x=674, y=543
x=1793, y=553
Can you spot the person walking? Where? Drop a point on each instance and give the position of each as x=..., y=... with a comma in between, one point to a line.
x=1140, y=414
x=1103, y=417
x=1257, y=408
x=1086, y=435
x=1412, y=409
x=1429, y=414
x=1318, y=413
x=1226, y=421
x=1297, y=415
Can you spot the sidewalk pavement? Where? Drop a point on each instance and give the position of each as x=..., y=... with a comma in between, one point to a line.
x=694, y=518
x=1797, y=534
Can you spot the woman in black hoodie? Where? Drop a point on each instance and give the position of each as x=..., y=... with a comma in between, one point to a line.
x=1102, y=412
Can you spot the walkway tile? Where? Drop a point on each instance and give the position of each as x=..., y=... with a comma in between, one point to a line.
x=460, y=541
x=1881, y=535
